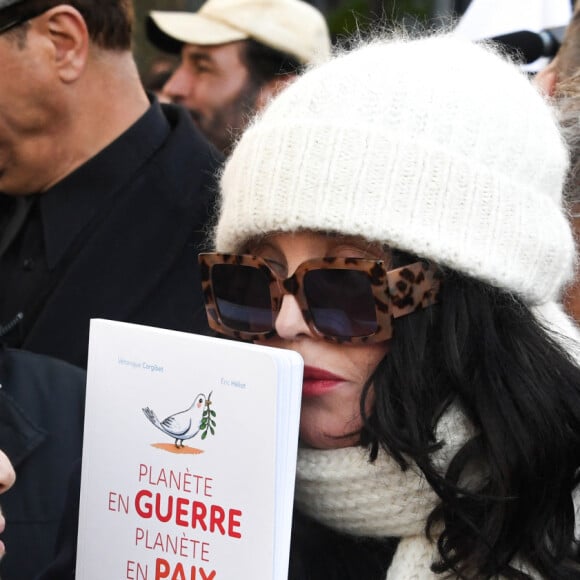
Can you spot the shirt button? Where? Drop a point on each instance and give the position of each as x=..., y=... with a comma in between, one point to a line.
x=28, y=264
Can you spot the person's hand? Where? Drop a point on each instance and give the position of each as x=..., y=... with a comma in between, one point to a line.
x=7, y=477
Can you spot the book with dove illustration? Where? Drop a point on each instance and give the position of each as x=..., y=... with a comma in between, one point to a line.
x=189, y=456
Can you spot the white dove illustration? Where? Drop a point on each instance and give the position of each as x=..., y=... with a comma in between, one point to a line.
x=181, y=425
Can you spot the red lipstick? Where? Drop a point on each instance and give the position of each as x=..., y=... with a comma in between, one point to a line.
x=316, y=382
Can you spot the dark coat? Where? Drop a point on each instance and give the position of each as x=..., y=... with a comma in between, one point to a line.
x=41, y=424
x=139, y=262
x=319, y=553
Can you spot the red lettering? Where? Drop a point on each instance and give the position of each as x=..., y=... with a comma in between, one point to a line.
x=179, y=573
x=213, y=518
x=217, y=517
x=167, y=516
x=162, y=568
x=198, y=515
x=234, y=522
x=145, y=510
x=207, y=488
x=181, y=511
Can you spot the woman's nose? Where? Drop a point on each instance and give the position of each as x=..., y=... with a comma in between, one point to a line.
x=290, y=322
x=7, y=475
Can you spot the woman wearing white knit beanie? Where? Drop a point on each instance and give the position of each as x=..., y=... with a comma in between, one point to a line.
x=395, y=216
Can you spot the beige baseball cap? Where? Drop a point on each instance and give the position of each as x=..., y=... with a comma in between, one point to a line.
x=290, y=26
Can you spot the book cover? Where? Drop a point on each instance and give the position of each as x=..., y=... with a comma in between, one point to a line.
x=189, y=456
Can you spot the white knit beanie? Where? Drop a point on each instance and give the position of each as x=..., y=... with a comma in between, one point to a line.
x=436, y=146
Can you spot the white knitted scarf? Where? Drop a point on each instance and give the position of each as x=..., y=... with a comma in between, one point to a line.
x=343, y=490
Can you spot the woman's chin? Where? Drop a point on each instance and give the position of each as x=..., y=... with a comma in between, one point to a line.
x=327, y=440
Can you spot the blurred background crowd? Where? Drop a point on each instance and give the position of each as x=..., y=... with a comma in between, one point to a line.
x=345, y=17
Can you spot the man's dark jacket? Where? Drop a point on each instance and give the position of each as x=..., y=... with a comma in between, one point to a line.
x=137, y=259
x=41, y=425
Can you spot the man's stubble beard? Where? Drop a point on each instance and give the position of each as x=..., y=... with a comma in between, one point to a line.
x=227, y=124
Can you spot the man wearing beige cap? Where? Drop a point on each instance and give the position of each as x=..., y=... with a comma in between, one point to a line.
x=235, y=55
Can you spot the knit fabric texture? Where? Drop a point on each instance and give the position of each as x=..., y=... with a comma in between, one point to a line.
x=342, y=489
x=351, y=505
x=436, y=146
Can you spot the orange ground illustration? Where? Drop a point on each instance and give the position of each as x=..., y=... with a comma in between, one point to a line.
x=185, y=450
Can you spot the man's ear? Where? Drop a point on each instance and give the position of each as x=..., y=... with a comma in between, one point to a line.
x=547, y=78
x=67, y=32
x=272, y=88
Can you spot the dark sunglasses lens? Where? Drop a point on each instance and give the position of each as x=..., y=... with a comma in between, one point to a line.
x=341, y=302
x=242, y=296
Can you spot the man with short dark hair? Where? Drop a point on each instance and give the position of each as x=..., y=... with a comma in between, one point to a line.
x=104, y=200
x=104, y=194
x=236, y=55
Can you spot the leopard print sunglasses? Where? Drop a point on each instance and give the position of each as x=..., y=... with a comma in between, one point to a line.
x=350, y=300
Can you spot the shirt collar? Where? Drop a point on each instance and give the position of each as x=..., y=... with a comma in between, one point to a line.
x=68, y=207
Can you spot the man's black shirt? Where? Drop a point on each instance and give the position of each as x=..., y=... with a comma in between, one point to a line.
x=45, y=242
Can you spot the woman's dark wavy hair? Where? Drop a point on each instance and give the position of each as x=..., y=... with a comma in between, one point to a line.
x=482, y=348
